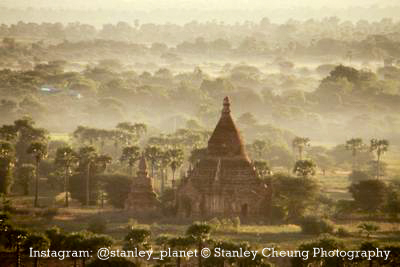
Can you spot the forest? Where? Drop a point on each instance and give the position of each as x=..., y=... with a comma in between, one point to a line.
x=316, y=101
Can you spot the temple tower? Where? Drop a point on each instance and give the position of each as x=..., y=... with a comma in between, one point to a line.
x=224, y=183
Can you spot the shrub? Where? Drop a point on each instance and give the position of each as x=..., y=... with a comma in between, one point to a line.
x=315, y=225
x=342, y=232
x=236, y=222
x=358, y=176
x=215, y=223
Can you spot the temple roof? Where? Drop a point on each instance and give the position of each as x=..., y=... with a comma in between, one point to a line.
x=226, y=141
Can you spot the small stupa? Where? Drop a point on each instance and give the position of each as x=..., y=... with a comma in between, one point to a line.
x=142, y=198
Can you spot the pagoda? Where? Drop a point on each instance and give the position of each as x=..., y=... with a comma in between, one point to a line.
x=224, y=182
x=142, y=198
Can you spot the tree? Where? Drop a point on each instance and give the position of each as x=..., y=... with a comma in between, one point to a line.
x=196, y=155
x=259, y=147
x=74, y=241
x=293, y=195
x=304, y=168
x=200, y=233
x=25, y=175
x=326, y=243
x=117, y=188
x=176, y=160
x=8, y=132
x=15, y=240
x=37, y=242
x=368, y=228
x=137, y=129
x=355, y=145
x=380, y=147
x=87, y=156
x=7, y=159
x=130, y=154
x=262, y=168
x=180, y=243
x=165, y=161
x=39, y=152
x=27, y=135
x=393, y=200
x=102, y=161
x=300, y=143
x=66, y=158
x=369, y=195
x=137, y=239
x=56, y=238
x=153, y=154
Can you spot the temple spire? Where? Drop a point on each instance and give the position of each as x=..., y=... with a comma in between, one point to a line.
x=226, y=106
x=142, y=166
x=226, y=140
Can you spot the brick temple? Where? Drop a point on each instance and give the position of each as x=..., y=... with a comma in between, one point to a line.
x=224, y=183
x=142, y=199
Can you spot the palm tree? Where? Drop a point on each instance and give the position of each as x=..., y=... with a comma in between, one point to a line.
x=137, y=239
x=102, y=161
x=39, y=151
x=15, y=239
x=66, y=157
x=176, y=155
x=355, y=145
x=165, y=160
x=25, y=174
x=200, y=233
x=300, y=143
x=259, y=147
x=130, y=154
x=380, y=147
x=38, y=242
x=87, y=156
x=153, y=154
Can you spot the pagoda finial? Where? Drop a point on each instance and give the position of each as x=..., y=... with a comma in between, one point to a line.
x=226, y=109
x=142, y=166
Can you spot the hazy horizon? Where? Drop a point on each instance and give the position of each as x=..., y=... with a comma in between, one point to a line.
x=98, y=12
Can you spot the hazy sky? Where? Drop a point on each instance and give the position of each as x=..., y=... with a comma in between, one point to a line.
x=98, y=12
x=206, y=4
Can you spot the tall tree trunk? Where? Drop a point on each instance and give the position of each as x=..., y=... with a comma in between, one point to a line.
x=199, y=258
x=35, y=204
x=66, y=188
x=173, y=178
x=378, y=166
x=87, y=185
x=18, y=259
x=354, y=160
x=162, y=180
x=131, y=169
